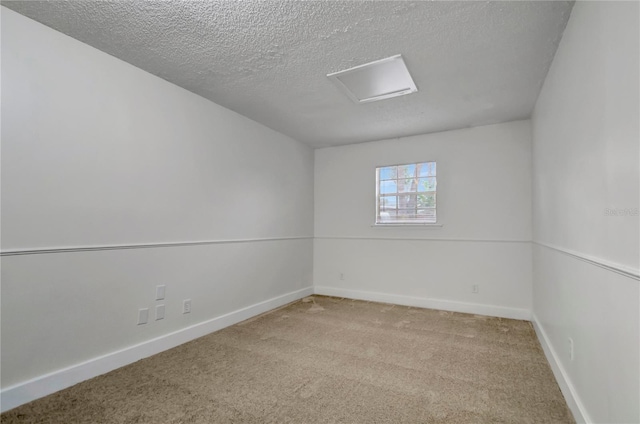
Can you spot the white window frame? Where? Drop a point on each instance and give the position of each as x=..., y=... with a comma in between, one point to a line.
x=378, y=220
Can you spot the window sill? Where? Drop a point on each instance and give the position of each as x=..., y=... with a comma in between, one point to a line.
x=409, y=225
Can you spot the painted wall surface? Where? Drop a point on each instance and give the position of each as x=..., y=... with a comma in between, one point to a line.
x=484, y=206
x=585, y=201
x=96, y=152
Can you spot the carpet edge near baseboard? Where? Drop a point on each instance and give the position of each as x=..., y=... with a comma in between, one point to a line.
x=35, y=388
x=567, y=388
x=429, y=303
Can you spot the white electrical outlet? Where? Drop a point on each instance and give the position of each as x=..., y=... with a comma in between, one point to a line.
x=159, y=312
x=160, y=292
x=571, y=355
x=143, y=316
x=341, y=276
x=475, y=288
x=186, y=306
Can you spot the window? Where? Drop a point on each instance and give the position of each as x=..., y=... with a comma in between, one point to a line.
x=406, y=194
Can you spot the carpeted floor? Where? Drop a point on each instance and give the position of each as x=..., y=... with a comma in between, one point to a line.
x=328, y=360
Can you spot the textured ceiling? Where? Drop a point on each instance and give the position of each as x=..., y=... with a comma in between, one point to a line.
x=475, y=63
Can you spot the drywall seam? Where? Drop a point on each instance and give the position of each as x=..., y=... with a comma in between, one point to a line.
x=423, y=239
x=423, y=302
x=571, y=396
x=141, y=246
x=625, y=271
x=38, y=387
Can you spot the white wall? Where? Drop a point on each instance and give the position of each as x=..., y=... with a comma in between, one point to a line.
x=586, y=160
x=484, y=205
x=96, y=152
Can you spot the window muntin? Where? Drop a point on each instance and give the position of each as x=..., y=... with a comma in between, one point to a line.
x=406, y=194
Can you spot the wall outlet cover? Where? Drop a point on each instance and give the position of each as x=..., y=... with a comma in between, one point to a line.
x=159, y=312
x=186, y=306
x=143, y=316
x=160, y=291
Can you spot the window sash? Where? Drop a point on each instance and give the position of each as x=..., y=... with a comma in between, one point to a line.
x=390, y=205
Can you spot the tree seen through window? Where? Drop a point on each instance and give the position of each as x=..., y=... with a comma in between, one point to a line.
x=406, y=194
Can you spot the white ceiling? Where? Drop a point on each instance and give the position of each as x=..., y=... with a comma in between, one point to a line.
x=474, y=63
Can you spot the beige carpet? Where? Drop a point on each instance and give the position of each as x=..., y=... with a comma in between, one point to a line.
x=328, y=360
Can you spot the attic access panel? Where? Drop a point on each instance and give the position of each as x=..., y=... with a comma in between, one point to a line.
x=378, y=80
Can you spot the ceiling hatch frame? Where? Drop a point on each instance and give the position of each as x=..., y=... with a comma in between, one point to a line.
x=378, y=80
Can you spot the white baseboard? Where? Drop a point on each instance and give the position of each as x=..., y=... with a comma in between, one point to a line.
x=44, y=385
x=422, y=302
x=570, y=395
